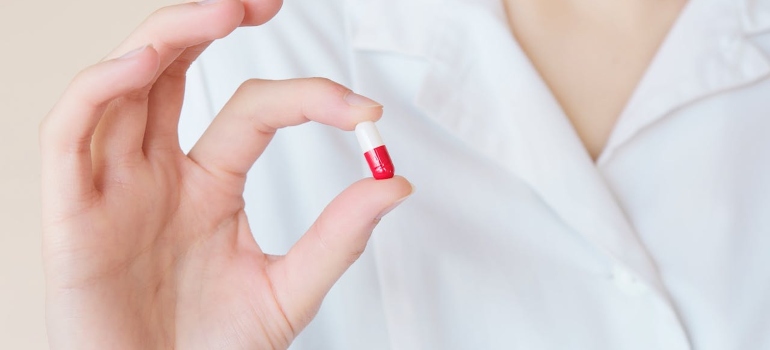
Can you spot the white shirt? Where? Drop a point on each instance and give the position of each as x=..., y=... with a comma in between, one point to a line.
x=515, y=238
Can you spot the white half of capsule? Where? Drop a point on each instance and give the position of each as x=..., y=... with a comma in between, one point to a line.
x=368, y=136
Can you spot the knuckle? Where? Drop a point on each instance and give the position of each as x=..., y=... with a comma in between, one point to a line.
x=250, y=86
x=141, y=94
x=326, y=84
x=320, y=81
x=348, y=250
x=83, y=82
x=161, y=11
x=177, y=69
x=158, y=16
x=321, y=228
x=82, y=77
x=355, y=253
x=44, y=129
x=319, y=86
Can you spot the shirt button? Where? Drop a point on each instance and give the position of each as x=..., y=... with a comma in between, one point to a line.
x=627, y=282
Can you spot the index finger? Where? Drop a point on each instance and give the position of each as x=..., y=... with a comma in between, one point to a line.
x=247, y=123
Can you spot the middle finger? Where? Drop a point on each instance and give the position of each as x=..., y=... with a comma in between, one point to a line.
x=170, y=30
x=174, y=28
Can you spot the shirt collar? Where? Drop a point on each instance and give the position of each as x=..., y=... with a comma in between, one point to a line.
x=755, y=16
x=708, y=51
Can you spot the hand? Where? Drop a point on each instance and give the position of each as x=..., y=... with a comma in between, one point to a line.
x=146, y=247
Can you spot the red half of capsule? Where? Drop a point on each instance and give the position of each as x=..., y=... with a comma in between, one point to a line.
x=380, y=163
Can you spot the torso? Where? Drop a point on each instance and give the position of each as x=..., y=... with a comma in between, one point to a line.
x=592, y=55
x=514, y=239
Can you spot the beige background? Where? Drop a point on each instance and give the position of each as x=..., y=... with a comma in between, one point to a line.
x=43, y=44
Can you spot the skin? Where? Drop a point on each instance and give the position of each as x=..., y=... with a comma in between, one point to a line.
x=146, y=247
x=592, y=54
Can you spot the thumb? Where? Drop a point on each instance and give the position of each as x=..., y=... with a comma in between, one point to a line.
x=335, y=241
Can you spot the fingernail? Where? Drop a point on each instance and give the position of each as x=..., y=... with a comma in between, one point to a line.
x=208, y=2
x=394, y=205
x=357, y=100
x=133, y=52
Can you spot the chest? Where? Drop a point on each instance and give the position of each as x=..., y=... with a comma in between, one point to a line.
x=481, y=242
x=591, y=56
